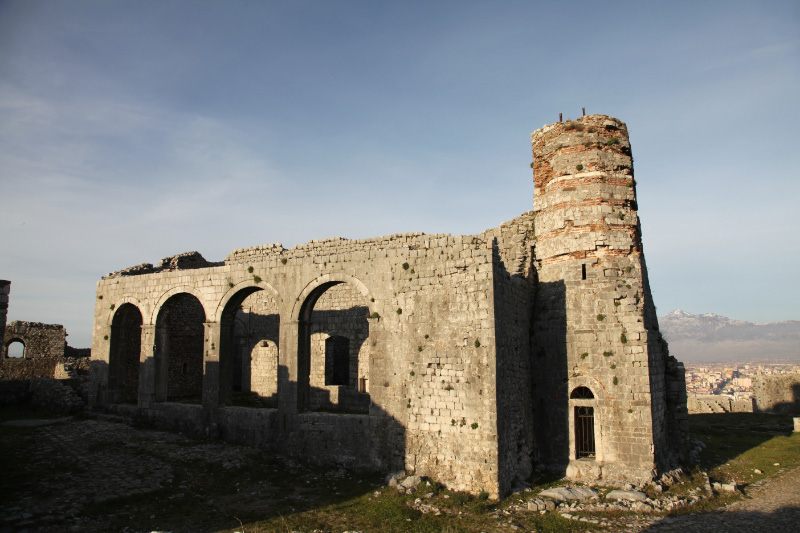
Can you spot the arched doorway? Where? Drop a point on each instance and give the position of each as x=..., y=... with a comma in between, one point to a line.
x=179, y=349
x=250, y=328
x=333, y=352
x=583, y=439
x=124, y=354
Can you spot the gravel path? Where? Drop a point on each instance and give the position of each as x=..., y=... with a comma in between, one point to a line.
x=771, y=506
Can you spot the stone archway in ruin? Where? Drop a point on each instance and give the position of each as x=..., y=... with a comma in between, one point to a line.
x=249, y=341
x=14, y=349
x=124, y=354
x=180, y=333
x=333, y=352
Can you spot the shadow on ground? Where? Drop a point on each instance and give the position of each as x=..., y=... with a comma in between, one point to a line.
x=87, y=474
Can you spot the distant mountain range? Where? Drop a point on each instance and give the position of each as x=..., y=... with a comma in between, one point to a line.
x=711, y=338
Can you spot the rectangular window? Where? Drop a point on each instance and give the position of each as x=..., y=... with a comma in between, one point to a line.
x=584, y=432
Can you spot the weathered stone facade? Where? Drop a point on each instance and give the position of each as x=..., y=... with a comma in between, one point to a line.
x=779, y=394
x=464, y=358
x=43, y=348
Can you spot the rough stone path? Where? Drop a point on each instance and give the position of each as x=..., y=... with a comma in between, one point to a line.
x=773, y=505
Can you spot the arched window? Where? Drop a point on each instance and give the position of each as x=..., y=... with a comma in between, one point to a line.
x=581, y=393
x=15, y=349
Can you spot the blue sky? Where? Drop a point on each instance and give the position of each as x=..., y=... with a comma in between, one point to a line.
x=130, y=131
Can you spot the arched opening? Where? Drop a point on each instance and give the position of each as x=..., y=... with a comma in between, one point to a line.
x=124, y=354
x=179, y=349
x=15, y=349
x=250, y=328
x=582, y=400
x=582, y=393
x=333, y=364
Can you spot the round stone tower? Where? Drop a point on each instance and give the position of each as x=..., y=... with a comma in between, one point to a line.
x=602, y=385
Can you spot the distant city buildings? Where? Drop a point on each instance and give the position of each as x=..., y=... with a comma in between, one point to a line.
x=735, y=381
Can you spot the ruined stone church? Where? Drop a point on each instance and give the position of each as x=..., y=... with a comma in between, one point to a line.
x=469, y=359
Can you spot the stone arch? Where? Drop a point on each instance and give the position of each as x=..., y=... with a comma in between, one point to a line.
x=333, y=306
x=236, y=289
x=249, y=339
x=179, y=345
x=7, y=348
x=188, y=289
x=122, y=301
x=579, y=380
x=325, y=281
x=125, y=348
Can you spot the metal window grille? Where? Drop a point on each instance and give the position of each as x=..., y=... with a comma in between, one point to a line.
x=584, y=432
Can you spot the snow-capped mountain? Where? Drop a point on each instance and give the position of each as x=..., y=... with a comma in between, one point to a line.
x=714, y=338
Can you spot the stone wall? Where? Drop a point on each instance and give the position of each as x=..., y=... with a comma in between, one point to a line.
x=779, y=394
x=430, y=389
x=44, y=347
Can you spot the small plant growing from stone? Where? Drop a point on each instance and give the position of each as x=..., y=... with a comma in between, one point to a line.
x=613, y=367
x=477, y=343
x=372, y=299
x=612, y=141
x=630, y=411
x=623, y=338
x=601, y=317
x=474, y=425
x=408, y=405
x=628, y=269
x=256, y=279
x=105, y=337
x=112, y=307
x=584, y=355
x=453, y=422
x=250, y=269
x=608, y=354
x=230, y=284
x=375, y=315
x=405, y=266
x=399, y=311
x=579, y=167
x=621, y=215
x=616, y=380
x=426, y=335
x=616, y=303
x=419, y=348
x=100, y=297
x=411, y=373
x=283, y=261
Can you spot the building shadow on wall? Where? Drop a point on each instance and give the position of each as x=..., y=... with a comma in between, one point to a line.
x=550, y=376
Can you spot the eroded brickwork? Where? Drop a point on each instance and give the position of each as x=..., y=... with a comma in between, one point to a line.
x=448, y=356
